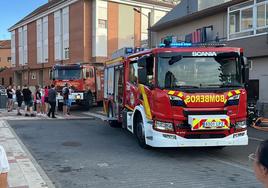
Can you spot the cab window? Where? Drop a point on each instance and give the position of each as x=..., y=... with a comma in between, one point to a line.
x=133, y=72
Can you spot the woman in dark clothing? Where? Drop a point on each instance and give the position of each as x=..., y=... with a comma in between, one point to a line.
x=19, y=97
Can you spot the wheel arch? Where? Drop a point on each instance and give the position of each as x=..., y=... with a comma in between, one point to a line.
x=139, y=110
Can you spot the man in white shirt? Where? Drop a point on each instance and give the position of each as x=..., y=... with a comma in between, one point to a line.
x=4, y=168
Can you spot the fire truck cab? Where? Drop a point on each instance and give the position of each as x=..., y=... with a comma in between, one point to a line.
x=179, y=95
x=86, y=82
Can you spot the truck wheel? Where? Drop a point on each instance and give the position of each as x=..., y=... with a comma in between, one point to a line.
x=89, y=101
x=140, y=132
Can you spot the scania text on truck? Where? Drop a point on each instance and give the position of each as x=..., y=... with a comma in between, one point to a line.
x=179, y=95
x=86, y=82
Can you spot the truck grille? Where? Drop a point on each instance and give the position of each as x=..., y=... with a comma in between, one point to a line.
x=204, y=136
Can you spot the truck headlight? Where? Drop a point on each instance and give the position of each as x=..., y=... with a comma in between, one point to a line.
x=241, y=125
x=235, y=97
x=163, y=126
x=234, y=100
x=176, y=101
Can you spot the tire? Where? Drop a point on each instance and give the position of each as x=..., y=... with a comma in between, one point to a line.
x=140, y=133
x=89, y=101
x=112, y=123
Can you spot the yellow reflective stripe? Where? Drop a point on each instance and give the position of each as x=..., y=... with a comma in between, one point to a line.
x=237, y=92
x=195, y=122
x=171, y=92
x=230, y=94
x=145, y=102
x=180, y=94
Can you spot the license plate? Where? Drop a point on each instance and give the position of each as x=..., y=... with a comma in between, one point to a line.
x=213, y=124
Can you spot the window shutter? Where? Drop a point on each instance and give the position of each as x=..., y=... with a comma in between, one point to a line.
x=65, y=32
x=45, y=39
x=39, y=40
x=13, y=48
x=20, y=47
x=57, y=33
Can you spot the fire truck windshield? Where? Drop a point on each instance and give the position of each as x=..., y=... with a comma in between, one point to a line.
x=178, y=71
x=67, y=74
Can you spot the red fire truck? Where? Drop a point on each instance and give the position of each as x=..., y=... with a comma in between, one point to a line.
x=86, y=82
x=179, y=95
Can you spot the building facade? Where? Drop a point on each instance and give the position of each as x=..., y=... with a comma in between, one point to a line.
x=6, y=73
x=238, y=23
x=77, y=31
x=5, y=53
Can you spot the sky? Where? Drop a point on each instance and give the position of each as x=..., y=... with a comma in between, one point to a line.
x=12, y=11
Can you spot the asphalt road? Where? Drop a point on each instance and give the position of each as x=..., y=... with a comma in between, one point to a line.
x=88, y=153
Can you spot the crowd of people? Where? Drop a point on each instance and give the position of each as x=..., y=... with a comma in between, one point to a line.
x=43, y=99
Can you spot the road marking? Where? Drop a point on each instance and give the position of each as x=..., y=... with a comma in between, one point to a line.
x=256, y=139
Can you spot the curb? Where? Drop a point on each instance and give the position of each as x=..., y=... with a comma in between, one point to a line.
x=35, y=163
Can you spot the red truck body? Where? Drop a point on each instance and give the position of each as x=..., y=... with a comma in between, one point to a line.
x=179, y=97
x=86, y=82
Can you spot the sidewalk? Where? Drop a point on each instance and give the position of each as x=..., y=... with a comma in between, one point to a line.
x=4, y=115
x=24, y=170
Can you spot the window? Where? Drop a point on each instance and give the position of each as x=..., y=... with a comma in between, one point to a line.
x=13, y=48
x=261, y=15
x=61, y=30
x=102, y=23
x=3, y=81
x=8, y=59
x=248, y=19
x=235, y=22
x=91, y=75
x=133, y=72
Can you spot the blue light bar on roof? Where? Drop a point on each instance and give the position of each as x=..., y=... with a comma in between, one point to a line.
x=177, y=44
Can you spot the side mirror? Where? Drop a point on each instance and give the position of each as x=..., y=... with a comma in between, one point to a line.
x=142, y=71
x=245, y=70
x=51, y=74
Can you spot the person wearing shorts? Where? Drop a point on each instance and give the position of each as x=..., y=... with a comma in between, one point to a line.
x=19, y=98
x=4, y=168
x=65, y=94
x=28, y=101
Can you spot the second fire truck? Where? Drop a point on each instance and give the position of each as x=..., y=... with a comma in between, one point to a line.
x=86, y=82
x=179, y=95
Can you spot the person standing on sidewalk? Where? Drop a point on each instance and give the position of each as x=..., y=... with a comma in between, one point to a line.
x=65, y=94
x=52, y=95
x=47, y=88
x=38, y=100
x=28, y=101
x=260, y=162
x=9, y=98
x=4, y=168
x=19, y=97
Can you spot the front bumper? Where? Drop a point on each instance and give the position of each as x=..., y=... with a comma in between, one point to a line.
x=159, y=139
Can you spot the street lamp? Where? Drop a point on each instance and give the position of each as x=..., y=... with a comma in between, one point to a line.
x=149, y=25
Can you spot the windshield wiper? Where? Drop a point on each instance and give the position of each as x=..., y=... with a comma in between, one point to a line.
x=185, y=86
x=219, y=85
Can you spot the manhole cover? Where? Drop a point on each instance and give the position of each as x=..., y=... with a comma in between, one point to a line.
x=71, y=144
x=65, y=169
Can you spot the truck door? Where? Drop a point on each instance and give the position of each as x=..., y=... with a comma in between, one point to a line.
x=118, y=90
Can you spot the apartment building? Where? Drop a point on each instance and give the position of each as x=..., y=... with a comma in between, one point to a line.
x=238, y=23
x=78, y=31
x=5, y=53
x=6, y=73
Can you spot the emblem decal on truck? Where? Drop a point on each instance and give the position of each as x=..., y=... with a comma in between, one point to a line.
x=204, y=54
